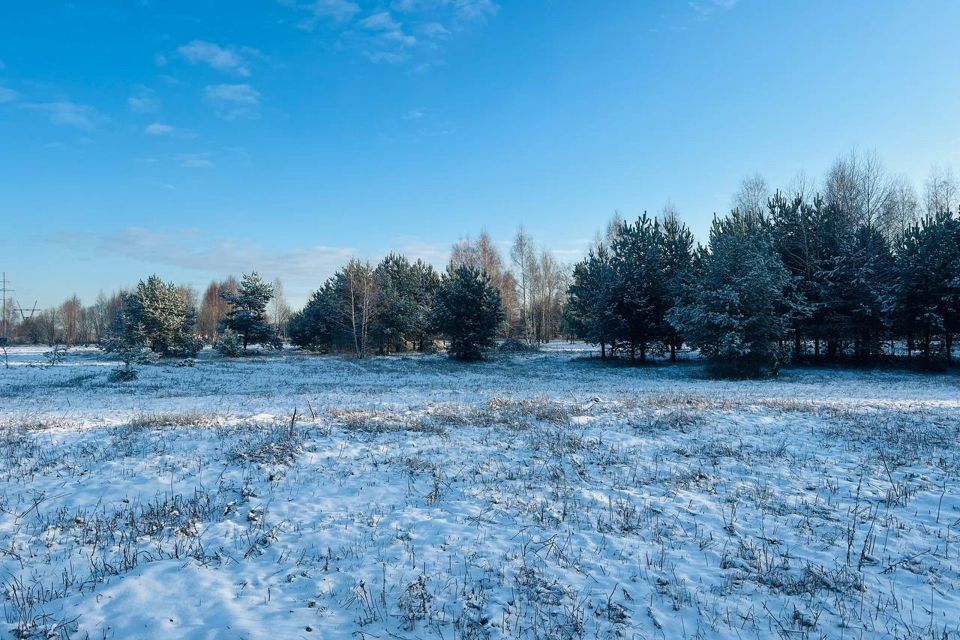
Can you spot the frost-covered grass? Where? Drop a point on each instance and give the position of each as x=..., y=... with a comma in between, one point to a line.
x=535, y=496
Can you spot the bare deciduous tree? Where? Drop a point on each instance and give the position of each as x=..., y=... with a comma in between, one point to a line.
x=941, y=191
x=752, y=195
x=900, y=210
x=279, y=309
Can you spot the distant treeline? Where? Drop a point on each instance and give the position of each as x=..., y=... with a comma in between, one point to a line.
x=860, y=271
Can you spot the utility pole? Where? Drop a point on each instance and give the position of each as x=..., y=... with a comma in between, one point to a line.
x=4, y=329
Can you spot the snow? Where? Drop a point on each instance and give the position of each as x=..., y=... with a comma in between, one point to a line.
x=533, y=496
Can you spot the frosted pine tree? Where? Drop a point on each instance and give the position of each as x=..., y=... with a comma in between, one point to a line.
x=248, y=312
x=735, y=317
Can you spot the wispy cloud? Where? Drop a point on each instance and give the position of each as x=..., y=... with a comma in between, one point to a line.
x=191, y=249
x=233, y=101
x=8, y=95
x=69, y=114
x=462, y=11
x=227, y=59
x=158, y=129
x=708, y=8
x=399, y=31
x=329, y=10
x=202, y=160
x=381, y=21
x=414, y=248
x=144, y=100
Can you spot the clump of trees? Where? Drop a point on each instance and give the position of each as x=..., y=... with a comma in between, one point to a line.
x=156, y=316
x=735, y=313
x=364, y=309
x=859, y=274
x=621, y=294
x=401, y=305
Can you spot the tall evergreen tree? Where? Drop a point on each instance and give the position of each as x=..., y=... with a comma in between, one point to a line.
x=315, y=326
x=638, y=264
x=926, y=287
x=248, y=311
x=735, y=317
x=467, y=312
x=678, y=269
x=405, y=294
x=591, y=300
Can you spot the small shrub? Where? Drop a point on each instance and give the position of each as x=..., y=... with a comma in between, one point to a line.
x=56, y=355
x=126, y=373
x=230, y=345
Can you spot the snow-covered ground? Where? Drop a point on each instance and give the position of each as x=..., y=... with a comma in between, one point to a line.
x=540, y=496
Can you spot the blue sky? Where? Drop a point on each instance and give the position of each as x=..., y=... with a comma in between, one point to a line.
x=196, y=139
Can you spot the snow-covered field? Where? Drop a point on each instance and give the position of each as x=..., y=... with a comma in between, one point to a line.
x=543, y=496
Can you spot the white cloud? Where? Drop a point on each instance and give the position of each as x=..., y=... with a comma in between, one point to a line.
x=8, y=95
x=473, y=10
x=337, y=11
x=433, y=30
x=434, y=253
x=236, y=93
x=381, y=21
x=388, y=42
x=196, y=160
x=391, y=57
x=216, y=57
x=158, y=129
x=233, y=101
x=461, y=10
x=381, y=37
x=414, y=114
x=191, y=249
x=68, y=114
x=707, y=8
x=144, y=100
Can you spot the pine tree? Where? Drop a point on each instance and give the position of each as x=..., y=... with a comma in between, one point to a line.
x=314, y=327
x=426, y=282
x=157, y=316
x=678, y=274
x=735, y=317
x=405, y=294
x=591, y=300
x=795, y=238
x=926, y=289
x=395, y=303
x=467, y=312
x=248, y=311
x=641, y=296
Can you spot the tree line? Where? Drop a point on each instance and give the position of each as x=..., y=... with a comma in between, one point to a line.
x=859, y=270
